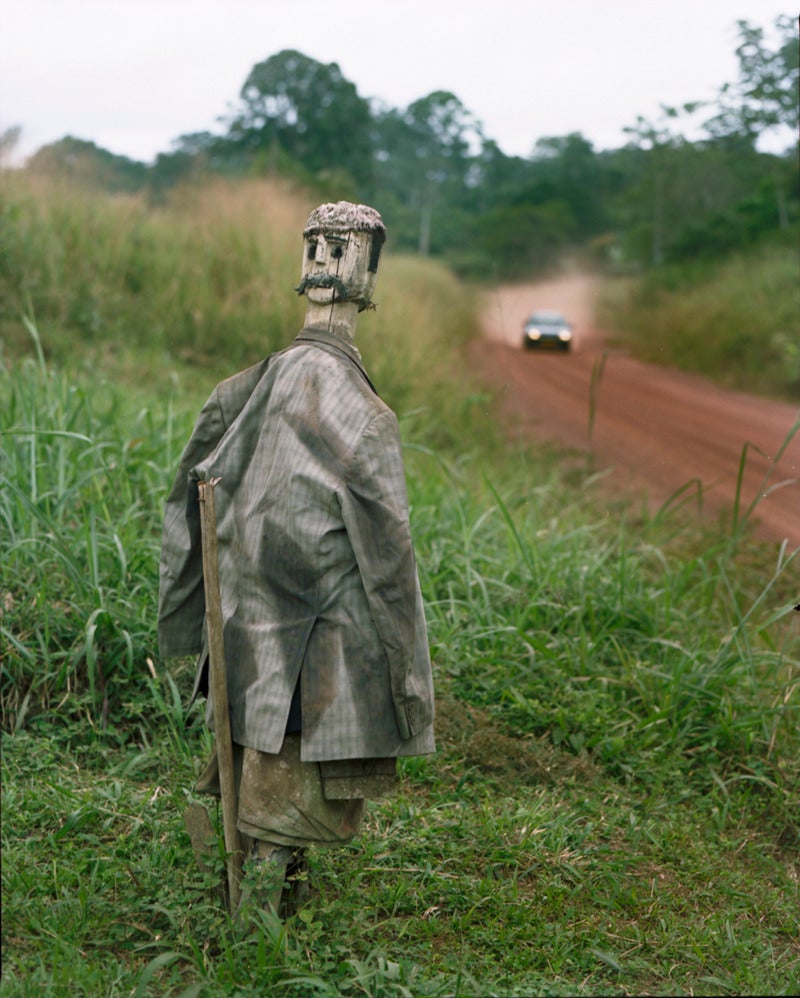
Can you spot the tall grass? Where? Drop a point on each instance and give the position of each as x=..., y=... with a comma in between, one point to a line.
x=558, y=621
x=613, y=807
x=202, y=278
x=586, y=827
x=85, y=463
x=202, y=285
x=737, y=322
x=79, y=507
x=414, y=347
x=663, y=666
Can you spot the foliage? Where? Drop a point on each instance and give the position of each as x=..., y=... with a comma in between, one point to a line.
x=737, y=321
x=613, y=807
x=766, y=209
x=446, y=189
x=79, y=162
x=81, y=490
x=82, y=485
x=423, y=162
x=163, y=281
x=617, y=816
x=478, y=879
x=294, y=104
x=580, y=636
x=766, y=94
x=720, y=194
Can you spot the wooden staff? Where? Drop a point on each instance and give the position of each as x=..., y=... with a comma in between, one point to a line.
x=219, y=691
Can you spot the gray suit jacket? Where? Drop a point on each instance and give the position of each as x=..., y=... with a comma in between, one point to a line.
x=317, y=568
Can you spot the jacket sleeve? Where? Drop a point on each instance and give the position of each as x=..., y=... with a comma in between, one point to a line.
x=181, y=598
x=375, y=511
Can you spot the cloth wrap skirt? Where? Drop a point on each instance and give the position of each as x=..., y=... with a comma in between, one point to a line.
x=284, y=800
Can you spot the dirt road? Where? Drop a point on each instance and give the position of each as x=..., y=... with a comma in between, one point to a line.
x=654, y=429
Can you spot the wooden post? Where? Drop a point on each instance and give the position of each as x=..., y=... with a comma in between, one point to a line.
x=219, y=691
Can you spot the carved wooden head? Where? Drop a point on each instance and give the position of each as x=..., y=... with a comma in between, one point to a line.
x=342, y=245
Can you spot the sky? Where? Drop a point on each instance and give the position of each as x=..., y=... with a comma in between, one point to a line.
x=133, y=75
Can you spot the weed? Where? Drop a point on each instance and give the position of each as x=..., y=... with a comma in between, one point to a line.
x=739, y=326
x=613, y=806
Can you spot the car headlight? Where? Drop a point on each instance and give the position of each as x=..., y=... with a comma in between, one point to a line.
x=565, y=335
x=533, y=334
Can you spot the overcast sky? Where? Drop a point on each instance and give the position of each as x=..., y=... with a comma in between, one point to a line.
x=133, y=75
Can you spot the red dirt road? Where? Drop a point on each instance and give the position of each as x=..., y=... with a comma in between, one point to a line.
x=655, y=429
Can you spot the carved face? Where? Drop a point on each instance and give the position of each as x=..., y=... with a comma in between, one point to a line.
x=336, y=268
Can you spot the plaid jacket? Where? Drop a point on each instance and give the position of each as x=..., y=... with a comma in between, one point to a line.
x=316, y=564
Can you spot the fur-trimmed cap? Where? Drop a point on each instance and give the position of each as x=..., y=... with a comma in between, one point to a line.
x=343, y=216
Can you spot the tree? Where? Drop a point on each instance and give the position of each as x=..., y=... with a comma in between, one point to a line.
x=9, y=140
x=661, y=148
x=444, y=133
x=721, y=193
x=425, y=154
x=84, y=163
x=525, y=239
x=765, y=96
x=293, y=104
x=575, y=172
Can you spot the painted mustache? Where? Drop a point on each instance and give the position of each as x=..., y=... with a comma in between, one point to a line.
x=323, y=281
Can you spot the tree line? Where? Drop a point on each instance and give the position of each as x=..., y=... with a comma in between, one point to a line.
x=446, y=189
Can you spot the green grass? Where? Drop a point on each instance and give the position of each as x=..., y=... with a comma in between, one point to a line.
x=143, y=285
x=737, y=322
x=614, y=804
x=479, y=878
x=81, y=487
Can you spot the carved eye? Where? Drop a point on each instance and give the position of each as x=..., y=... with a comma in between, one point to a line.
x=338, y=253
x=312, y=249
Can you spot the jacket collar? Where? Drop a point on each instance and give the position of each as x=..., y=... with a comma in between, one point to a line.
x=318, y=334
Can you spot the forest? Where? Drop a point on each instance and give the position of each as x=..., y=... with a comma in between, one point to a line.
x=447, y=190
x=614, y=804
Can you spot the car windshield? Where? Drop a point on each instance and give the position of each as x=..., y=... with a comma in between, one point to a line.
x=548, y=318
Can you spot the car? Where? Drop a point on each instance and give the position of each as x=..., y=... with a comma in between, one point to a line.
x=546, y=328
